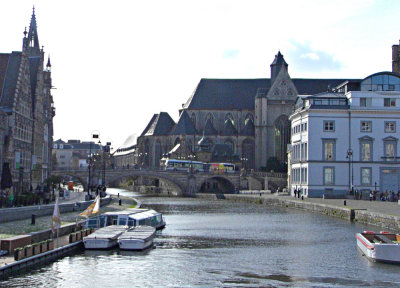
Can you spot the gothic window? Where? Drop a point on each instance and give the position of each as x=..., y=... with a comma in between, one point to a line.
x=211, y=117
x=158, y=153
x=231, y=144
x=276, y=92
x=229, y=117
x=290, y=92
x=248, y=152
x=249, y=117
x=282, y=137
x=283, y=83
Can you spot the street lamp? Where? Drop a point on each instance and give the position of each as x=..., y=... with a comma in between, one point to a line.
x=350, y=158
x=94, y=135
x=106, y=151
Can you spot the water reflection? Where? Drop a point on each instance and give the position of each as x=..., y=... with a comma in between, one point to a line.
x=226, y=244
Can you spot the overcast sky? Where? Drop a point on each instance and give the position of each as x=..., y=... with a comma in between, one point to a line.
x=116, y=63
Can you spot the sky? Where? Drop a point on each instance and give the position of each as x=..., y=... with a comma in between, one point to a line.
x=116, y=63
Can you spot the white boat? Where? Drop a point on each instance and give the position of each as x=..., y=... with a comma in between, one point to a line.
x=104, y=238
x=380, y=247
x=137, y=238
x=131, y=217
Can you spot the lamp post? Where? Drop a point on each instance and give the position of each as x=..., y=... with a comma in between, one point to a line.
x=106, y=151
x=94, y=135
x=350, y=158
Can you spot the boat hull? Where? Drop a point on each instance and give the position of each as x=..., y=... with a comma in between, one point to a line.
x=386, y=253
x=99, y=243
x=134, y=244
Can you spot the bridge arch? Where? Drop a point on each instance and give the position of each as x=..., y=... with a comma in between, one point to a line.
x=81, y=179
x=216, y=183
x=152, y=174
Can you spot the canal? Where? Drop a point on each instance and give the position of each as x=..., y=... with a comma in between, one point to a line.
x=225, y=244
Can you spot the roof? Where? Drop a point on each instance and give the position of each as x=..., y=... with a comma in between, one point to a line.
x=239, y=94
x=160, y=124
x=226, y=94
x=184, y=126
x=10, y=79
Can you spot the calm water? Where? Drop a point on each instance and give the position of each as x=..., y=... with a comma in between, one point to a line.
x=224, y=244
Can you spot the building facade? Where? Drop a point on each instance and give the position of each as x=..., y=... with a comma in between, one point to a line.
x=243, y=120
x=347, y=141
x=26, y=100
x=74, y=154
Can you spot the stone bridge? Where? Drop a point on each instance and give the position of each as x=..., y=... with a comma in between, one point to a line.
x=184, y=182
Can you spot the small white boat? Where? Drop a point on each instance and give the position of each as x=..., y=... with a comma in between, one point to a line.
x=380, y=247
x=137, y=238
x=104, y=238
x=131, y=217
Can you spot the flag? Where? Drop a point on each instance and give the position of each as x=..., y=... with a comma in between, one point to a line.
x=56, y=217
x=93, y=208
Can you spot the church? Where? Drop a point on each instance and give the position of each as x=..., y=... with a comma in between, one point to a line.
x=26, y=114
x=234, y=120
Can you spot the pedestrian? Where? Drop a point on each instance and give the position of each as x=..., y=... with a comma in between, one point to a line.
x=370, y=196
x=295, y=193
x=11, y=200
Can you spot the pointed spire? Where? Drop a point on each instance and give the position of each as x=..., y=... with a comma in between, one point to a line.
x=277, y=64
x=48, y=65
x=33, y=35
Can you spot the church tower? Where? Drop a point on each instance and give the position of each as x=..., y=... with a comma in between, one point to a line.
x=272, y=108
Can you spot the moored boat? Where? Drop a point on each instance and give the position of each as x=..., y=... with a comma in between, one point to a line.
x=137, y=238
x=131, y=217
x=380, y=247
x=104, y=238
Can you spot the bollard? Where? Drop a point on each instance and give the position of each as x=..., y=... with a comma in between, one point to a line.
x=118, y=195
x=344, y=202
x=33, y=219
x=120, y=202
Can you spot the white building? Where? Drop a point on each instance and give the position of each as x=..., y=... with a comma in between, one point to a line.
x=347, y=140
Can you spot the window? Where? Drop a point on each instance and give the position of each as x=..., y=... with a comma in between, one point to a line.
x=389, y=102
x=390, y=150
x=363, y=102
x=366, y=126
x=329, y=148
x=329, y=126
x=391, y=87
x=390, y=126
x=329, y=175
x=366, y=150
x=366, y=176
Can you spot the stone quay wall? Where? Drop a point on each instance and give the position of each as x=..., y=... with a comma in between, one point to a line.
x=389, y=222
x=20, y=213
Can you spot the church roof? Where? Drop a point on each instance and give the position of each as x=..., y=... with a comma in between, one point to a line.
x=184, y=126
x=160, y=124
x=10, y=78
x=239, y=94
